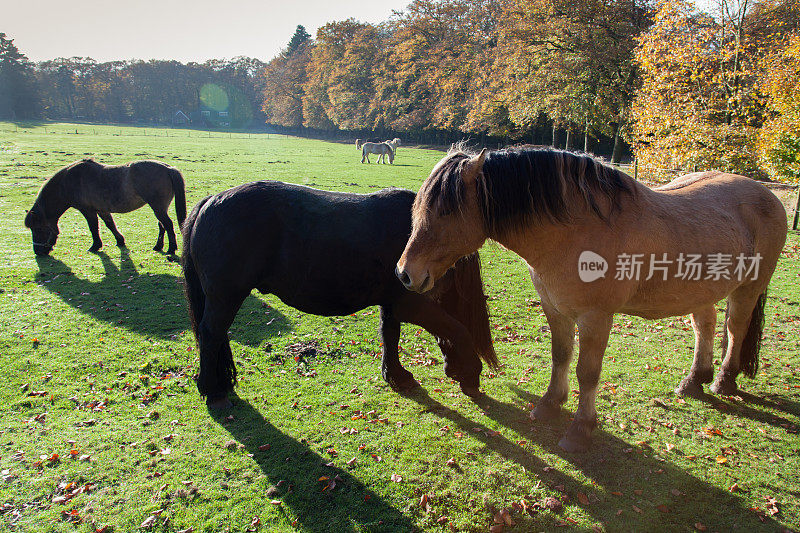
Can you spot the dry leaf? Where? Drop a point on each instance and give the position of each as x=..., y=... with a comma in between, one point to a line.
x=663, y=508
x=699, y=526
x=149, y=522
x=582, y=498
x=396, y=478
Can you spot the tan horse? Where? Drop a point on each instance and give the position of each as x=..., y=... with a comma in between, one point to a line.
x=676, y=250
x=382, y=149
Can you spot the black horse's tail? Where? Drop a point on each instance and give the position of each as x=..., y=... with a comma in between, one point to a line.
x=192, y=287
x=179, y=187
x=466, y=301
x=751, y=346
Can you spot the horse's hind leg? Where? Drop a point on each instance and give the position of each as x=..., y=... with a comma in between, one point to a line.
x=160, y=241
x=109, y=222
x=562, y=331
x=393, y=372
x=745, y=305
x=703, y=321
x=166, y=223
x=91, y=220
x=217, y=370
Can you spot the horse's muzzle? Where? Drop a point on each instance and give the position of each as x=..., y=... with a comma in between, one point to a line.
x=42, y=250
x=406, y=280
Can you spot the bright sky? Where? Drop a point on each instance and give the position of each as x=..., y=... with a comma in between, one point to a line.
x=173, y=29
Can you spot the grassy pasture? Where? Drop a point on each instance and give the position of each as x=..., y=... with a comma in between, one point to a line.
x=103, y=426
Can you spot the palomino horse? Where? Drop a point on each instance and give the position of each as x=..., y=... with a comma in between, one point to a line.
x=326, y=253
x=382, y=149
x=96, y=190
x=394, y=143
x=677, y=250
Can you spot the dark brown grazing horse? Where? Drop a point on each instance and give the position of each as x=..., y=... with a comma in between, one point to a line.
x=324, y=253
x=96, y=190
x=599, y=243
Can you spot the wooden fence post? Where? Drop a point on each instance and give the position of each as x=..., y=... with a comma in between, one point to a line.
x=796, y=209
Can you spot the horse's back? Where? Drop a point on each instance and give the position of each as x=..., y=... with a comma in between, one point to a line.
x=322, y=252
x=730, y=193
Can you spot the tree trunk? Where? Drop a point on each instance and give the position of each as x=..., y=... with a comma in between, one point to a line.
x=568, y=143
x=553, y=144
x=616, y=153
x=586, y=137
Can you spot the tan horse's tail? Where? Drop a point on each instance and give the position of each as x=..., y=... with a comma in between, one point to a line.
x=469, y=306
x=751, y=346
x=179, y=188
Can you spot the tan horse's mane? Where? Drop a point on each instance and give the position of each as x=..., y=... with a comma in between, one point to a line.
x=523, y=184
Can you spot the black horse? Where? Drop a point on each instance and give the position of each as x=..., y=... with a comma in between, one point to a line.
x=324, y=253
x=96, y=190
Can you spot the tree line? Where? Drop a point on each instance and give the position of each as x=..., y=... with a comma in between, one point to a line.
x=154, y=91
x=683, y=88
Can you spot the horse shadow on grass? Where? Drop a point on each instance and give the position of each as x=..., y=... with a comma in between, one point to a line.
x=148, y=304
x=742, y=407
x=612, y=465
x=294, y=470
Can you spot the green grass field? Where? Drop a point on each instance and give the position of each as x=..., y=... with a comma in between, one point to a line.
x=103, y=428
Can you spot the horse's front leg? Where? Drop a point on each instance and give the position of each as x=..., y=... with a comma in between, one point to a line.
x=562, y=332
x=703, y=322
x=393, y=372
x=461, y=362
x=109, y=222
x=593, y=330
x=94, y=229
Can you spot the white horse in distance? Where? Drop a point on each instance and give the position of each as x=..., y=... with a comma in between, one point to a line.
x=382, y=149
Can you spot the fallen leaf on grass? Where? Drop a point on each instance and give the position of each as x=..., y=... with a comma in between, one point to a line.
x=554, y=504
x=582, y=498
x=772, y=505
x=663, y=508
x=699, y=526
x=721, y=459
x=255, y=523
x=734, y=487
x=424, y=503
x=396, y=478
x=149, y=522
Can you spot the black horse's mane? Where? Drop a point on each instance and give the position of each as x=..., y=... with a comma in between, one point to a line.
x=521, y=185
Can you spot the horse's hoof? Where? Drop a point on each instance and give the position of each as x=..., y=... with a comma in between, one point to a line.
x=158, y=247
x=405, y=385
x=546, y=411
x=724, y=387
x=690, y=387
x=121, y=244
x=219, y=404
x=574, y=446
x=578, y=437
x=471, y=391
x=172, y=251
x=95, y=249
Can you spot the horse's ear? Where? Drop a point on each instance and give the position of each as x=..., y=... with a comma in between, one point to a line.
x=474, y=167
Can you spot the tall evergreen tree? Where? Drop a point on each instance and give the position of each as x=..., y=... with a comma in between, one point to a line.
x=18, y=88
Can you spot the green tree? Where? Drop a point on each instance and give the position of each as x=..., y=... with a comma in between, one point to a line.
x=299, y=40
x=283, y=78
x=572, y=61
x=19, y=94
